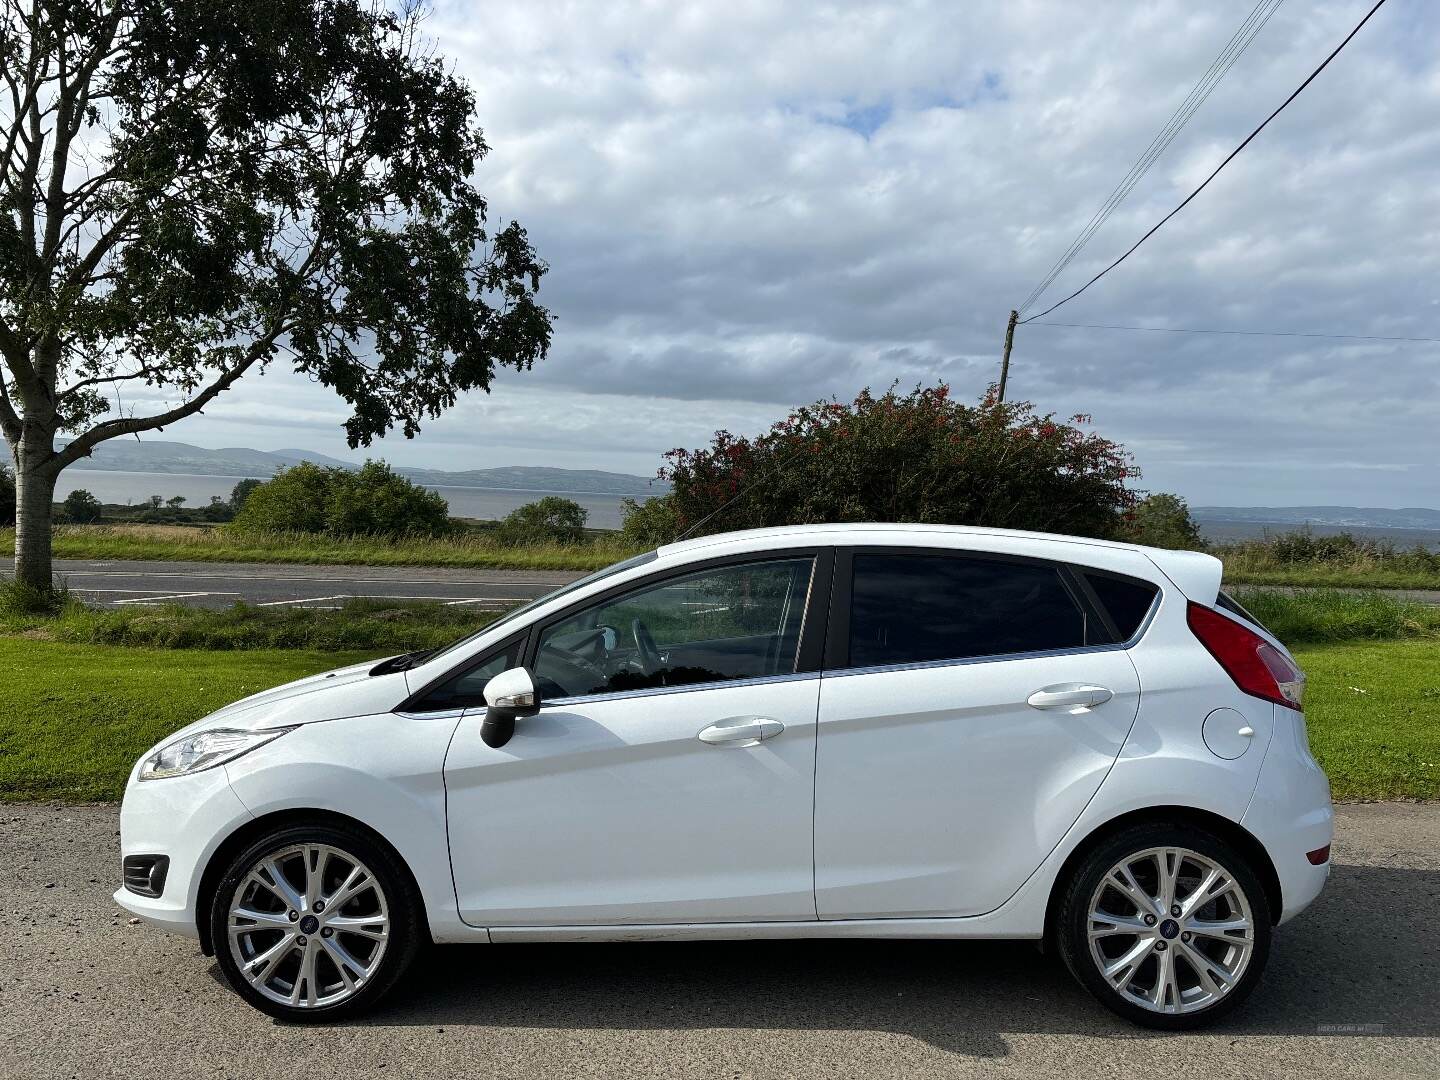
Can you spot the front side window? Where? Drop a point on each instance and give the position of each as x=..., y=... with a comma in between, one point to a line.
x=466, y=690
x=909, y=609
x=731, y=622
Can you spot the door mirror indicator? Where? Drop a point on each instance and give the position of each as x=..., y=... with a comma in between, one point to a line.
x=508, y=696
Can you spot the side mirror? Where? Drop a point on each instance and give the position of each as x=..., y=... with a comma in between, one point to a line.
x=508, y=696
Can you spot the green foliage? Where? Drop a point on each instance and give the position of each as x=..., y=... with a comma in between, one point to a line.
x=81, y=507
x=242, y=491
x=20, y=599
x=7, y=496
x=370, y=501
x=1162, y=520
x=551, y=520
x=380, y=625
x=1318, y=615
x=907, y=457
x=1305, y=559
x=650, y=523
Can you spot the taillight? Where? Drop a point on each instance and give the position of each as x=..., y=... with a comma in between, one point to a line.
x=1257, y=667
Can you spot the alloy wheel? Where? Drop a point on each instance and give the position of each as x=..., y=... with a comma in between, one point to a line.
x=308, y=925
x=1170, y=930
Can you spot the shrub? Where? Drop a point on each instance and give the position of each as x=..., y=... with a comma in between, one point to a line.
x=650, y=523
x=551, y=520
x=1162, y=520
x=241, y=491
x=370, y=501
x=907, y=457
x=81, y=508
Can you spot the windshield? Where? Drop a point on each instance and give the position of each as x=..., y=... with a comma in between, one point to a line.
x=515, y=613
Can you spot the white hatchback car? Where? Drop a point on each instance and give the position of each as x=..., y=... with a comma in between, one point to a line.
x=833, y=731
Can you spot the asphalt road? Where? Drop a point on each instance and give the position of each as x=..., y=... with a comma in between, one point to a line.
x=217, y=585
x=1353, y=990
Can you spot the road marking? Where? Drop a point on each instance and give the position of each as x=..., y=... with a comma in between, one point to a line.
x=304, y=600
x=157, y=599
x=217, y=575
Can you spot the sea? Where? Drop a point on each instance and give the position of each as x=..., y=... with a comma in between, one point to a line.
x=485, y=504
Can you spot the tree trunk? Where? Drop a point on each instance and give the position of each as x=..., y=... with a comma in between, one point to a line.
x=34, y=509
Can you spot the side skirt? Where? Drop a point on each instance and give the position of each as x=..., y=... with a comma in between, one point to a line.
x=842, y=928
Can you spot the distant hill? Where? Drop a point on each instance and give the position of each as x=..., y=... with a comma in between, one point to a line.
x=159, y=456
x=1333, y=517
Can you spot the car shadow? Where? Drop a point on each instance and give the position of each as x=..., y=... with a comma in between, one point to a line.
x=1363, y=955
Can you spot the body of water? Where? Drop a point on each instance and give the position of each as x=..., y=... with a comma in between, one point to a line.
x=486, y=504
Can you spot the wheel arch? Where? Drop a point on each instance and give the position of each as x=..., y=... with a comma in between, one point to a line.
x=250, y=831
x=1231, y=832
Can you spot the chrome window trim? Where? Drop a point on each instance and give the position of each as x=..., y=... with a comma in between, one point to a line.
x=990, y=658
x=688, y=688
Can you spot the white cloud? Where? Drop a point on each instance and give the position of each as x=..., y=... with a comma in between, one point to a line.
x=723, y=245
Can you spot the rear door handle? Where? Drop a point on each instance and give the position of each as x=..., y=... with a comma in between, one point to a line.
x=1076, y=697
x=741, y=731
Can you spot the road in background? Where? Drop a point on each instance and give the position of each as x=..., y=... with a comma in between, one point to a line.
x=1352, y=990
x=218, y=585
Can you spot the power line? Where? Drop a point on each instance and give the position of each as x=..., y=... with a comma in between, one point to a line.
x=1219, y=68
x=1242, y=333
x=1231, y=157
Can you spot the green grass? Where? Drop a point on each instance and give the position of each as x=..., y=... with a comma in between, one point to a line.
x=168, y=542
x=378, y=625
x=1373, y=712
x=1326, y=615
x=76, y=717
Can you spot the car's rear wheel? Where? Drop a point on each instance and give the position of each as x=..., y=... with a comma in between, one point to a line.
x=1168, y=926
x=314, y=922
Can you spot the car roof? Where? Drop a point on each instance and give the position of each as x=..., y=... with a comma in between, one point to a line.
x=868, y=532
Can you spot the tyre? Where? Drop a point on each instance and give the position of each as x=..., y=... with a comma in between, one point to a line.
x=1168, y=925
x=315, y=923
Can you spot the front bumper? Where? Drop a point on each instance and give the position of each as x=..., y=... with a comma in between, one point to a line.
x=1290, y=813
x=185, y=818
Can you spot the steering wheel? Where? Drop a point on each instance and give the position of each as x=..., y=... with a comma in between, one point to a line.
x=645, y=646
x=569, y=673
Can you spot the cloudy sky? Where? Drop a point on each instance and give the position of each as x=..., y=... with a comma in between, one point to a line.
x=750, y=204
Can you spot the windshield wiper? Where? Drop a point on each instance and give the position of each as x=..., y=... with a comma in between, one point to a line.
x=403, y=662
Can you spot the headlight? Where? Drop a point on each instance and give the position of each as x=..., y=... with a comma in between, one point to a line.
x=204, y=750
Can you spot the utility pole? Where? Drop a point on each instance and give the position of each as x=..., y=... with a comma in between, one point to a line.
x=1005, y=361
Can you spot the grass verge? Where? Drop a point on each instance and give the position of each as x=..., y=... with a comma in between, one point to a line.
x=379, y=625
x=178, y=543
x=1328, y=615
x=77, y=716
x=1373, y=712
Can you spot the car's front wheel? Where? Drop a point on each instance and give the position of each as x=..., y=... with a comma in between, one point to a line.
x=314, y=922
x=1167, y=925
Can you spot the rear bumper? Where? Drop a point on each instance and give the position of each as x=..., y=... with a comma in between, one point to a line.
x=1290, y=813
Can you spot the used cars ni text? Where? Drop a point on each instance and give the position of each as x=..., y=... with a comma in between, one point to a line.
x=900, y=731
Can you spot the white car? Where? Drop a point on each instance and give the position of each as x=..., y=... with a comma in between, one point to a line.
x=901, y=731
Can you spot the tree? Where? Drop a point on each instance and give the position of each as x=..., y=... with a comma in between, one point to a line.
x=191, y=192
x=649, y=523
x=175, y=502
x=551, y=520
x=81, y=507
x=241, y=491
x=906, y=457
x=1162, y=520
x=371, y=501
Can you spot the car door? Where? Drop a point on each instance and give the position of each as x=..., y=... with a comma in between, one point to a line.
x=669, y=775
x=970, y=707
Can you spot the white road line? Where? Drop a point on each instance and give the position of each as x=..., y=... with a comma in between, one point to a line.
x=303, y=600
x=214, y=592
x=216, y=575
x=157, y=599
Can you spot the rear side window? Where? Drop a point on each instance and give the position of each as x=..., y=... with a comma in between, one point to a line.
x=1127, y=600
x=914, y=608
x=1226, y=602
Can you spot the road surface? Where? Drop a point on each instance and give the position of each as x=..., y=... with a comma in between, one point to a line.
x=1352, y=990
x=218, y=585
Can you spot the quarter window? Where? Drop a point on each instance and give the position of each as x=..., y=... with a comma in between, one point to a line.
x=1126, y=599
x=732, y=622
x=916, y=608
x=467, y=689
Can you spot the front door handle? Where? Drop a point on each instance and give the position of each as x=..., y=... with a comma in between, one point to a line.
x=1075, y=697
x=741, y=731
